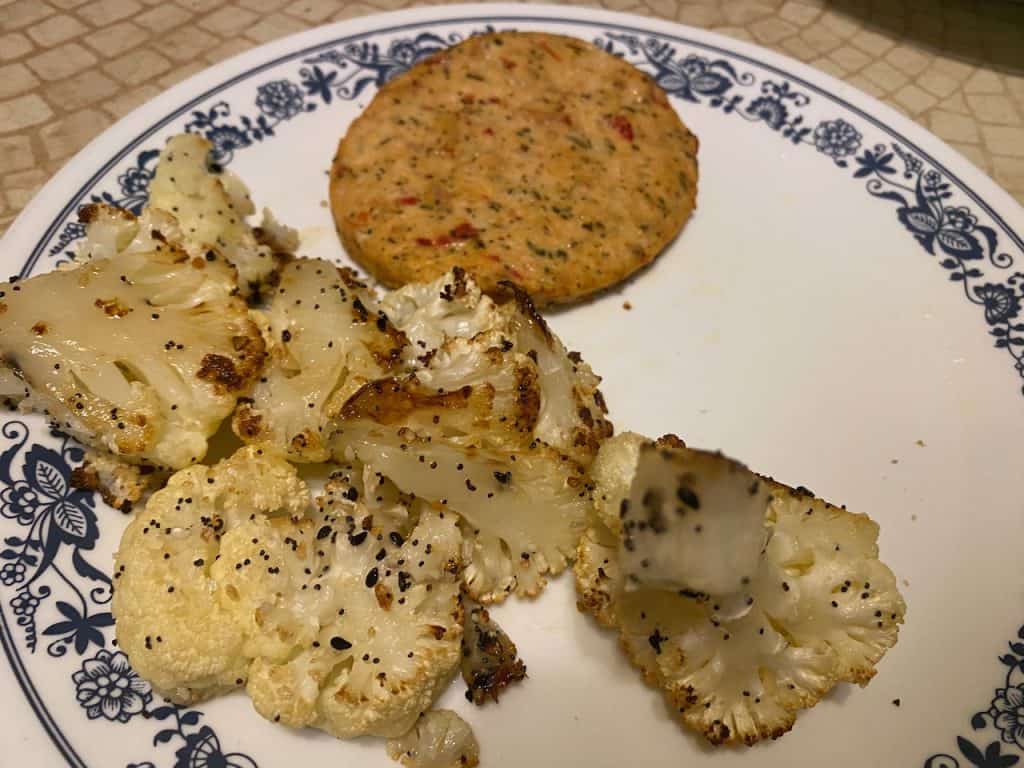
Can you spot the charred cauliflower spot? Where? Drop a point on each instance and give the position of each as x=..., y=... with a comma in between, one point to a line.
x=330, y=617
x=212, y=209
x=490, y=660
x=819, y=608
x=140, y=349
x=440, y=739
x=493, y=420
x=120, y=485
x=327, y=337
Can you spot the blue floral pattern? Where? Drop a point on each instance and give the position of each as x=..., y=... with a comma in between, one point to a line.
x=50, y=528
x=56, y=523
x=107, y=686
x=1005, y=716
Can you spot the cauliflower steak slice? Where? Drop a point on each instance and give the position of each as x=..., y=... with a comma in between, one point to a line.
x=822, y=608
x=141, y=351
x=328, y=617
x=328, y=337
x=468, y=426
x=212, y=208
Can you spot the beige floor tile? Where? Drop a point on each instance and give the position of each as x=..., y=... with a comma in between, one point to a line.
x=163, y=17
x=984, y=82
x=56, y=30
x=263, y=6
x=955, y=103
x=19, y=188
x=829, y=67
x=178, y=74
x=884, y=75
x=907, y=60
x=955, y=68
x=126, y=101
x=799, y=13
x=771, y=30
x=184, y=44
x=820, y=39
x=953, y=127
x=228, y=21
x=850, y=58
x=700, y=15
x=23, y=13
x=1004, y=140
x=58, y=63
x=914, y=99
x=99, y=13
x=14, y=45
x=67, y=5
x=62, y=138
x=975, y=154
x=1009, y=171
x=83, y=90
x=16, y=78
x=937, y=83
x=227, y=49
x=799, y=48
x=742, y=12
x=138, y=67
x=873, y=43
x=993, y=108
x=117, y=38
x=313, y=11
x=840, y=24
x=22, y=112
x=861, y=82
x=274, y=26
x=15, y=154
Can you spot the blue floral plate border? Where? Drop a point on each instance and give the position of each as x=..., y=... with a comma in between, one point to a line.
x=50, y=529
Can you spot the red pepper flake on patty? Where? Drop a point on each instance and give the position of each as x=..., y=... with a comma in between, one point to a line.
x=622, y=125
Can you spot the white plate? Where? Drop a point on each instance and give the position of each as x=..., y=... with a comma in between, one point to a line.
x=842, y=312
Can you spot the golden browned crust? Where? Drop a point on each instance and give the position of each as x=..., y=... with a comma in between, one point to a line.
x=528, y=157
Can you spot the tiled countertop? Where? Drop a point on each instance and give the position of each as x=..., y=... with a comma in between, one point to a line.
x=70, y=68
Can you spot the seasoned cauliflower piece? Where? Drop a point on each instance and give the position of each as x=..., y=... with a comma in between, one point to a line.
x=493, y=420
x=329, y=618
x=120, y=485
x=174, y=620
x=823, y=609
x=140, y=350
x=437, y=316
x=693, y=521
x=327, y=338
x=440, y=739
x=522, y=511
x=490, y=660
x=212, y=209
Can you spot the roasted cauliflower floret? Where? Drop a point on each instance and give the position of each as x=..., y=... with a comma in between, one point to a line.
x=329, y=618
x=494, y=420
x=440, y=739
x=212, y=209
x=120, y=485
x=490, y=660
x=820, y=607
x=140, y=350
x=328, y=337
x=436, y=316
x=174, y=620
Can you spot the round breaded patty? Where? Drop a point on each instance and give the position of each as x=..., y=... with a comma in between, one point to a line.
x=518, y=156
